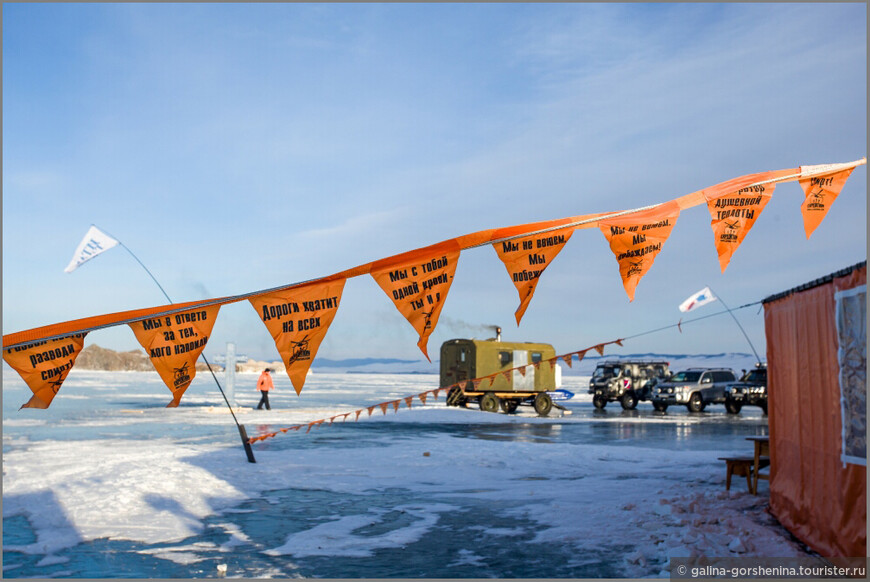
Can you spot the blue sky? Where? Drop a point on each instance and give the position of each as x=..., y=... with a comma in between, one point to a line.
x=235, y=148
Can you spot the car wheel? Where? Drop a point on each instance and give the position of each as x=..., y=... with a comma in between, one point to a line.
x=599, y=401
x=509, y=406
x=696, y=404
x=628, y=400
x=733, y=407
x=660, y=406
x=489, y=402
x=543, y=404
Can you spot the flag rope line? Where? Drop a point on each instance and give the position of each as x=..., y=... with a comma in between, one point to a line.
x=689, y=321
x=29, y=337
x=567, y=358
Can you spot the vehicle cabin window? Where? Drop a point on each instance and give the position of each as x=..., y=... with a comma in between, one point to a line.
x=462, y=355
x=706, y=378
x=685, y=377
x=536, y=357
x=759, y=376
x=505, y=358
x=723, y=376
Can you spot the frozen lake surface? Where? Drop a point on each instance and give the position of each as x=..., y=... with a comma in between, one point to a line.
x=109, y=483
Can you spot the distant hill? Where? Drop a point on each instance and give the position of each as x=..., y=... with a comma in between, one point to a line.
x=94, y=357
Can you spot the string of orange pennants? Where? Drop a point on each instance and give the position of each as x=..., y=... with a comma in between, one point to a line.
x=298, y=315
x=476, y=382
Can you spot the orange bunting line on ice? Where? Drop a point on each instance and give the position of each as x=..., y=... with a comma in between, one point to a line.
x=384, y=406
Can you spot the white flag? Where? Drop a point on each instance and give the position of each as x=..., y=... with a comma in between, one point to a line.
x=702, y=297
x=94, y=243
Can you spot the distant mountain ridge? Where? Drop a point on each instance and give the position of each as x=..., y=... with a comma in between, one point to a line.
x=351, y=362
x=94, y=357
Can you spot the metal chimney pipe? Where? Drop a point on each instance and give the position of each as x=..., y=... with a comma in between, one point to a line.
x=497, y=333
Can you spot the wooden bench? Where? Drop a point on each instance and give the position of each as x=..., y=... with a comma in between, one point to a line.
x=745, y=466
x=740, y=466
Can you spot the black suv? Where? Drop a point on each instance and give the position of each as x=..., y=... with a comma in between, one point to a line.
x=626, y=381
x=751, y=390
x=695, y=388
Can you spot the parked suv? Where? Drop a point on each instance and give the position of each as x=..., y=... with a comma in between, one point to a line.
x=626, y=381
x=695, y=387
x=751, y=390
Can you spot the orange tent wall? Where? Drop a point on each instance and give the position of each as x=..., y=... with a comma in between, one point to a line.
x=817, y=498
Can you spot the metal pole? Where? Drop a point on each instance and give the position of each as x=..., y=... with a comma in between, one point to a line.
x=719, y=297
x=230, y=372
x=241, y=428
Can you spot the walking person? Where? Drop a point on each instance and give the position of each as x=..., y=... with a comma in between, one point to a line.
x=264, y=384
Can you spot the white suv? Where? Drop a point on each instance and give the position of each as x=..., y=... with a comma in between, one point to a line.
x=695, y=388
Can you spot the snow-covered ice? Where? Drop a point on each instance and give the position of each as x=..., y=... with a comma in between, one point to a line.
x=109, y=483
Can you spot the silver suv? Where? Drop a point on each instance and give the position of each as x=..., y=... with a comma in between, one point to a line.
x=694, y=387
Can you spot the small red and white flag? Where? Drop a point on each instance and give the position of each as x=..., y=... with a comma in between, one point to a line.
x=94, y=243
x=702, y=297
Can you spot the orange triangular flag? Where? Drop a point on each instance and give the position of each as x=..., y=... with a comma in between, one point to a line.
x=417, y=283
x=537, y=365
x=618, y=342
x=491, y=378
x=358, y=412
x=522, y=371
x=476, y=382
x=435, y=393
x=567, y=359
x=371, y=409
x=44, y=366
x=600, y=349
x=174, y=342
x=637, y=238
x=552, y=361
x=507, y=375
x=384, y=406
x=395, y=404
x=408, y=401
x=422, y=398
x=580, y=355
x=820, y=192
x=526, y=258
x=733, y=216
x=298, y=320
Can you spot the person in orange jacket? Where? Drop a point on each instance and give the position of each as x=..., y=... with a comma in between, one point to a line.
x=264, y=384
